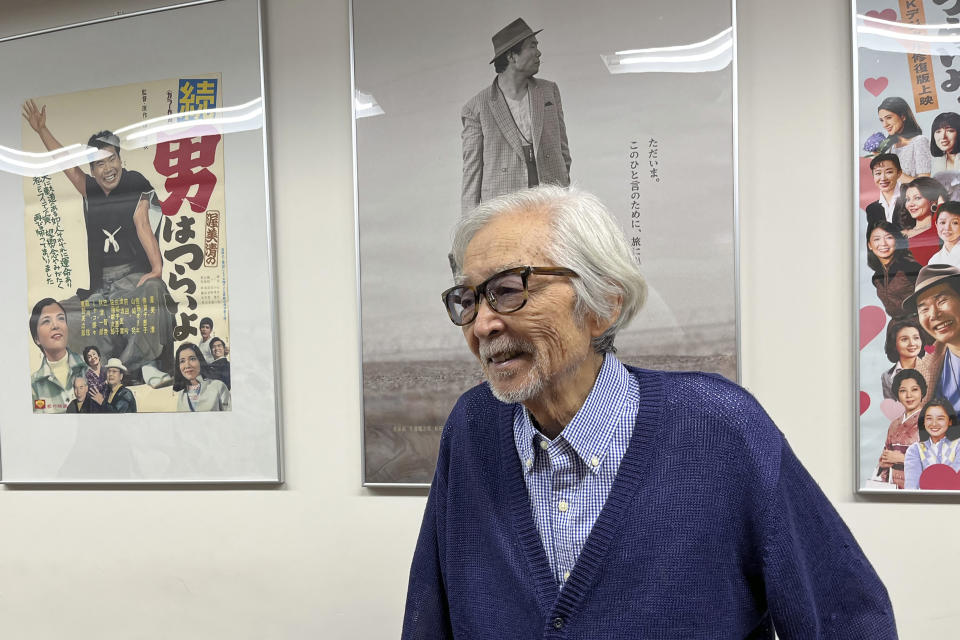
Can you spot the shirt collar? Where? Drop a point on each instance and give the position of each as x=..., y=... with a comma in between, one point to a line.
x=590, y=430
x=896, y=194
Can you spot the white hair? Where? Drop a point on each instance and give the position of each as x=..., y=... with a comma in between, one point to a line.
x=584, y=238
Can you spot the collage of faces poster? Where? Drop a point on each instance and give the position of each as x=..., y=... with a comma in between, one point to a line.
x=632, y=102
x=907, y=57
x=126, y=254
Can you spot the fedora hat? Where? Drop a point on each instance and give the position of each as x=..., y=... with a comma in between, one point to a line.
x=514, y=33
x=114, y=363
x=930, y=276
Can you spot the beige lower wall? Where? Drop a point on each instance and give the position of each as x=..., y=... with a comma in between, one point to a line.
x=323, y=558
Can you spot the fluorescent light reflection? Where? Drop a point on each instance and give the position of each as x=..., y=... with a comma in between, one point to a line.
x=898, y=37
x=713, y=54
x=222, y=120
x=365, y=105
x=47, y=162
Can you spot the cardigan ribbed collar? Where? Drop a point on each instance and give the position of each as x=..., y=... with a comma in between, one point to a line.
x=586, y=571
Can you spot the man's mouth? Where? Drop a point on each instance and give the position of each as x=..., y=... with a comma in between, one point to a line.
x=501, y=351
x=942, y=327
x=503, y=356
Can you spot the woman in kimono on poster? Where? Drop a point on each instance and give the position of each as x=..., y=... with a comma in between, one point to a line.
x=904, y=348
x=904, y=138
x=197, y=393
x=921, y=198
x=937, y=421
x=945, y=149
x=894, y=268
x=909, y=387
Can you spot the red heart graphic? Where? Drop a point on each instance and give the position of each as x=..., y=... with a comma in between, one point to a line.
x=872, y=322
x=930, y=348
x=875, y=85
x=940, y=476
x=887, y=14
x=864, y=402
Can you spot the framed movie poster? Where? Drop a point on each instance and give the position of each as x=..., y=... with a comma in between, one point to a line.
x=907, y=224
x=634, y=102
x=136, y=190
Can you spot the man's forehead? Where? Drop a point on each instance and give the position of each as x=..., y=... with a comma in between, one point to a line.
x=885, y=164
x=509, y=240
x=942, y=288
x=479, y=274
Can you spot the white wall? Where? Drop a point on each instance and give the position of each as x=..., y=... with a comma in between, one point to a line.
x=323, y=558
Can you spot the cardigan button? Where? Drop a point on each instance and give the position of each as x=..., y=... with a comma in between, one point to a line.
x=558, y=623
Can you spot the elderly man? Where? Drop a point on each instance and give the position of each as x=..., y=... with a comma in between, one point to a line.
x=575, y=497
x=936, y=299
x=513, y=131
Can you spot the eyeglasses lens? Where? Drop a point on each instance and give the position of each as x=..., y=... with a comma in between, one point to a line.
x=462, y=304
x=506, y=292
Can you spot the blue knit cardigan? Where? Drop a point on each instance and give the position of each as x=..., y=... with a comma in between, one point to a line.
x=712, y=529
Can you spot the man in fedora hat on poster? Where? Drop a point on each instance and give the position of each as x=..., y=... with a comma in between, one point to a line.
x=513, y=135
x=936, y=299
x=119, y=399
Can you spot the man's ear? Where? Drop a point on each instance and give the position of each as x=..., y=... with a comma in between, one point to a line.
x=599, y=325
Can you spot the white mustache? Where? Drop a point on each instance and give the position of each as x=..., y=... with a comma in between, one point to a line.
x=503, y=344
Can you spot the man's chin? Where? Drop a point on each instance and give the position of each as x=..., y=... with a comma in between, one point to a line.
x=512, y=389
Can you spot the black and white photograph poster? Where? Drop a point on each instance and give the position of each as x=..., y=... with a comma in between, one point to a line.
x=459, y=102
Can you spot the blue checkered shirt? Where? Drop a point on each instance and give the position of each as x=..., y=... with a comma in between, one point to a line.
x=568, y=478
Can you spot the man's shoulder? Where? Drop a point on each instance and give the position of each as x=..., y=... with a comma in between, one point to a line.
x=478, y=403
x=696, y=397
x=697, y=387
x=480, y=97
x=134, y=181
x=543, y=83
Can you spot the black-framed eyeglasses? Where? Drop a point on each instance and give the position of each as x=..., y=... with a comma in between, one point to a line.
x=505, y=292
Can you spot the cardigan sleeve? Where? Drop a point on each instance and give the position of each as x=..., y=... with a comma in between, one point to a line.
x=427, y=616
x=819, y=584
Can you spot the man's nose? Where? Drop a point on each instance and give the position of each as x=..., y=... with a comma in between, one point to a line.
x=488, y=322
